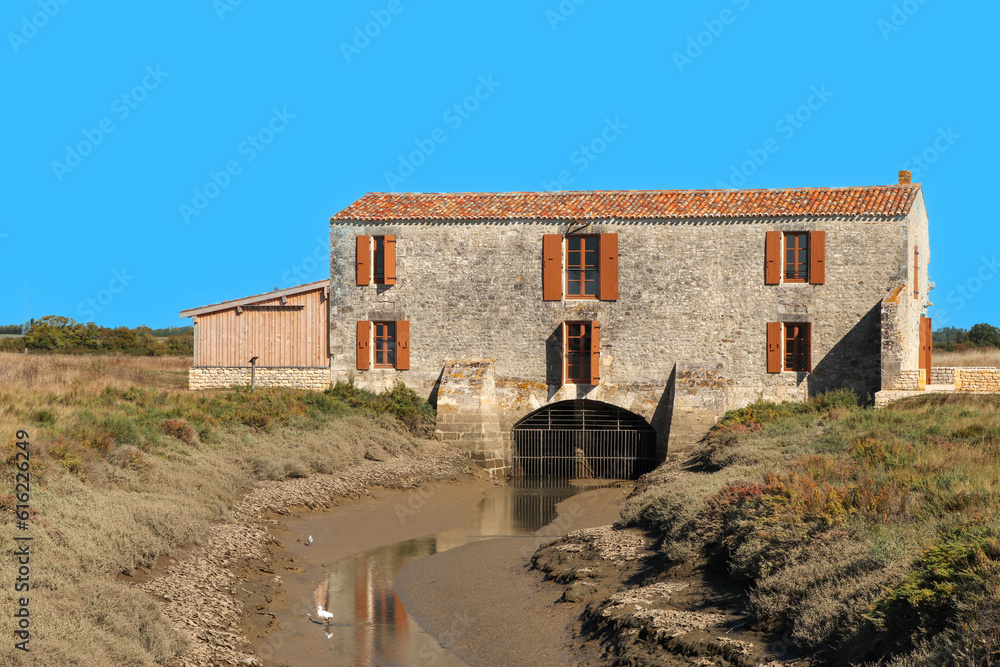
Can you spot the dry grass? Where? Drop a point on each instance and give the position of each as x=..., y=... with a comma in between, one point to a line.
x=981, y=357
x=59, y=373
x=153, y=475
x=854, y=529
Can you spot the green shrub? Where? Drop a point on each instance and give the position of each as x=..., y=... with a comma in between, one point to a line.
x=45, y=417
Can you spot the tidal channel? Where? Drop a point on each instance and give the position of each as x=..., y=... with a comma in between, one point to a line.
x=370, y=624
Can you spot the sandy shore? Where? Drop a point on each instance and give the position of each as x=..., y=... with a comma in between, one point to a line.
x=217, y=594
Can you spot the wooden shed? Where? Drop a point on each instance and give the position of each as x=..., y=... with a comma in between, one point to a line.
x=285, y=332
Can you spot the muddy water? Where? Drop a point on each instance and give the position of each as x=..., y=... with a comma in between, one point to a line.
x=370, y=624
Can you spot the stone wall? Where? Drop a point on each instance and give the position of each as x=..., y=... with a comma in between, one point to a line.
x=977, y=379
x=468, y=415
x=942, y=375
x=690, y=292
x=216, y=377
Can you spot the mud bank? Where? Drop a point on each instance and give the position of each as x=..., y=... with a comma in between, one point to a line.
x=637, y=610
x=217, y=594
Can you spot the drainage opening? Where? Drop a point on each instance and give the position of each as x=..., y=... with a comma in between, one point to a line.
x=583, y=439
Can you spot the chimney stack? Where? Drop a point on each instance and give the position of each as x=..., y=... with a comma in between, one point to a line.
x=905, y=178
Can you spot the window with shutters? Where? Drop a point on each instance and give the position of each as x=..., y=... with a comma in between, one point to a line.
x=581, y=346
x=591, y=263
x=376, y=260
x=385, y=344
x=789, y=347
x=795, y=257
x=797, y=346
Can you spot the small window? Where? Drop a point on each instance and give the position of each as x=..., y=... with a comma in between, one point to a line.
x=582, y=266
x=385, y=344
x=797, y=346
x=379, y=263
x=578, y=352
x=796, y=257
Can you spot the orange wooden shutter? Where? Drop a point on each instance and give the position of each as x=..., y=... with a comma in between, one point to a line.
x=772, y=258
x=595, y=352
x=552, y=267
x=817, y=258
x=609, y=267
x=390, y=259
x=402, y=345
x=364, y=260
x=364, y=336
x=774, y=345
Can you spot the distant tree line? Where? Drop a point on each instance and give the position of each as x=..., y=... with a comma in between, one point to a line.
x=980, y=335
x=63, y=334
x=10, y=328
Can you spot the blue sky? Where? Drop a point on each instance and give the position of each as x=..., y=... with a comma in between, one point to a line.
x=162, y=156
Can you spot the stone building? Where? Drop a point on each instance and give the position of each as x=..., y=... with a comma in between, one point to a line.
x=517, y=310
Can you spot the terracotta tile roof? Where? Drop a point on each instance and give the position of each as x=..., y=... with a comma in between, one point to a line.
x=879, y=201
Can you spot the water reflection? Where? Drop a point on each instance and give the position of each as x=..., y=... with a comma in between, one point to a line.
x=370, y=625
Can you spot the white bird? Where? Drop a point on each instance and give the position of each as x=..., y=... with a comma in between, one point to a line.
x=309, y=541
x=323, y=614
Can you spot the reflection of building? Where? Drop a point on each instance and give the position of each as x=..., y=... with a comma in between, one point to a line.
x=369, y=620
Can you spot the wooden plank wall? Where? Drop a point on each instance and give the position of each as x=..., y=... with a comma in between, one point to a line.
x=277, y=337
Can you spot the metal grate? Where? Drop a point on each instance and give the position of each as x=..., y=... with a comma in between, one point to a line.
x=583, y=439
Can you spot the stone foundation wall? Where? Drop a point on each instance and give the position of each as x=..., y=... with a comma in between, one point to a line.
x=218, y=377
x=468, y=414
x=907, y=381
x=977, y=379
x=943, y=376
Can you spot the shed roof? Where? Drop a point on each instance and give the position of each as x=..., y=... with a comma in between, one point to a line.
x=877, y=201
x=256, y=298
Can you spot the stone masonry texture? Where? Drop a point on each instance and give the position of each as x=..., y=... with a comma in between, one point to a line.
x=217, y=377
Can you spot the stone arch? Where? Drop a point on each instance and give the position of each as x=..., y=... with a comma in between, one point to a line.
x=583, y=438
